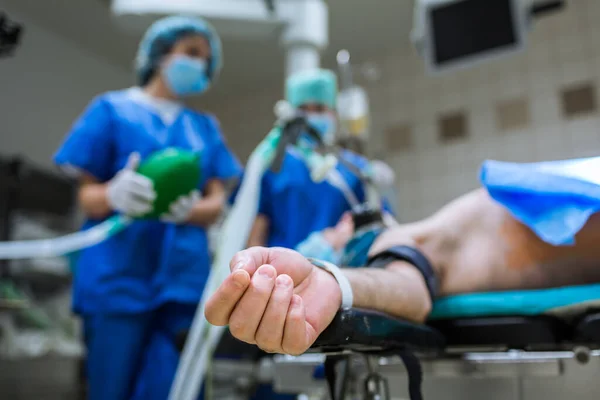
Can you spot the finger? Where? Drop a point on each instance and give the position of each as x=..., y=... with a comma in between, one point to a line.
x=250, y=259
x=270, y=331
x=221, y=304
x=182, y=209
x=285, y=261
x=178, y=208
x=142, y=190
x=145, y=198
x=185, y=202
x=133, y=161
x=137, y=207
x=195, y=196
x=346, y=216
x=250, y=309
x=142, y=185
x=295, y=337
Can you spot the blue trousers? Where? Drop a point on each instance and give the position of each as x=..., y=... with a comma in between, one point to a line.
x=134, y=356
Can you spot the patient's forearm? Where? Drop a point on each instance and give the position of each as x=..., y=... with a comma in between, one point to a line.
x=399, y=290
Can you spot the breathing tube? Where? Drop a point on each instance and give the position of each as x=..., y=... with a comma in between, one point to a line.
x=173, y=172
x=369, y=221
x=290, y=130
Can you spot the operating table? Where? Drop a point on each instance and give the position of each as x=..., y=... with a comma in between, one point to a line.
x=500, y=334
x=529, y=334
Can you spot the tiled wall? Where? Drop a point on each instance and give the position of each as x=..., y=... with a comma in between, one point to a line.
x=563, y=51
x=246, y=120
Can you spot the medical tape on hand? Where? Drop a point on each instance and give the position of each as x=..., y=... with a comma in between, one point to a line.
x=342, y=280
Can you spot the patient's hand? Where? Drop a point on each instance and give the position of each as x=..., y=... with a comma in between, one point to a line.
x=275, y=298
x=341, y=233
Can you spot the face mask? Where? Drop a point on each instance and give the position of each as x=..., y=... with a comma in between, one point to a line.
x=186, y=76
x=325, y=124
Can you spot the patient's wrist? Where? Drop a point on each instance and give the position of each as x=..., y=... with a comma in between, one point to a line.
x=347, y=296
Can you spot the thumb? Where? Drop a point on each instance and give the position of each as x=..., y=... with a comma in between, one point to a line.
x=133, y=161
x=194, y=195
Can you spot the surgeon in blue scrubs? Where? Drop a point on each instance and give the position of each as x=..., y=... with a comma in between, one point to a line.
x=292, y=205
x=138, y=290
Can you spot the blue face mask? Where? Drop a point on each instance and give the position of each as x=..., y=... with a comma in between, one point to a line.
x=325, y=124
x=186, y=76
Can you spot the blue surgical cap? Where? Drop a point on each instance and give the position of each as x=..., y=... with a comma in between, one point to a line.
x=312, y=86
x=164, y=33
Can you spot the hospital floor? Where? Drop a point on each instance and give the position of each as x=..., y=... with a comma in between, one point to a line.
x=577, y=382
x=57, y=379
x=48, y=378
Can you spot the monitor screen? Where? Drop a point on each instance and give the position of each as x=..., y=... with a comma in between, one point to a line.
x=471, y=27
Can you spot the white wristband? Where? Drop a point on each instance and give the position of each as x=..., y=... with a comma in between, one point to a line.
x=345, y=288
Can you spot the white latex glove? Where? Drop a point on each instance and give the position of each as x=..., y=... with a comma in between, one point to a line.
x=383, y=174
x=129, y=192
x=180, y=209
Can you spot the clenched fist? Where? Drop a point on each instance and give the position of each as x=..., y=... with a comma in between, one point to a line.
x=275, y=298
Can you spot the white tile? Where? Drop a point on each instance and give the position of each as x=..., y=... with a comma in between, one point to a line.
x=425, y=133
x=552, y=23
x=482, y=120
x=485, y=148
x=587, y=125
x=478, y=94
x=550, y=143
x=402, y=109
x=542, y=80
x=582, y=136
x=539, y=53
x=398, y=92
x=519, y=146
x=570, y=47
x=456, y=153
x=575, y=72
x=424, y=107
x=591, y=39
x=545, y=107
x=543, y=31
x=449, y=102
x=432, y=162
x=420, y=189
x=419, y=84
x=406, y=167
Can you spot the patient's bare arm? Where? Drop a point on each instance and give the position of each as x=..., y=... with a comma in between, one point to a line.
x=474, y=244
x=275, y=298
x=398, y=290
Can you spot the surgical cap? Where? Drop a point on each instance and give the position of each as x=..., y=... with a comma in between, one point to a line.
x=312, y=86
x=164, y=33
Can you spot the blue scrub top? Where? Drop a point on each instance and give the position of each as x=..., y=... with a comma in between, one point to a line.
x=296, y=206
x=150, y=263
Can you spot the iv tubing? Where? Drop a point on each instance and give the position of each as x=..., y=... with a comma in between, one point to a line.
x=204, y=337
x=65, y=244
